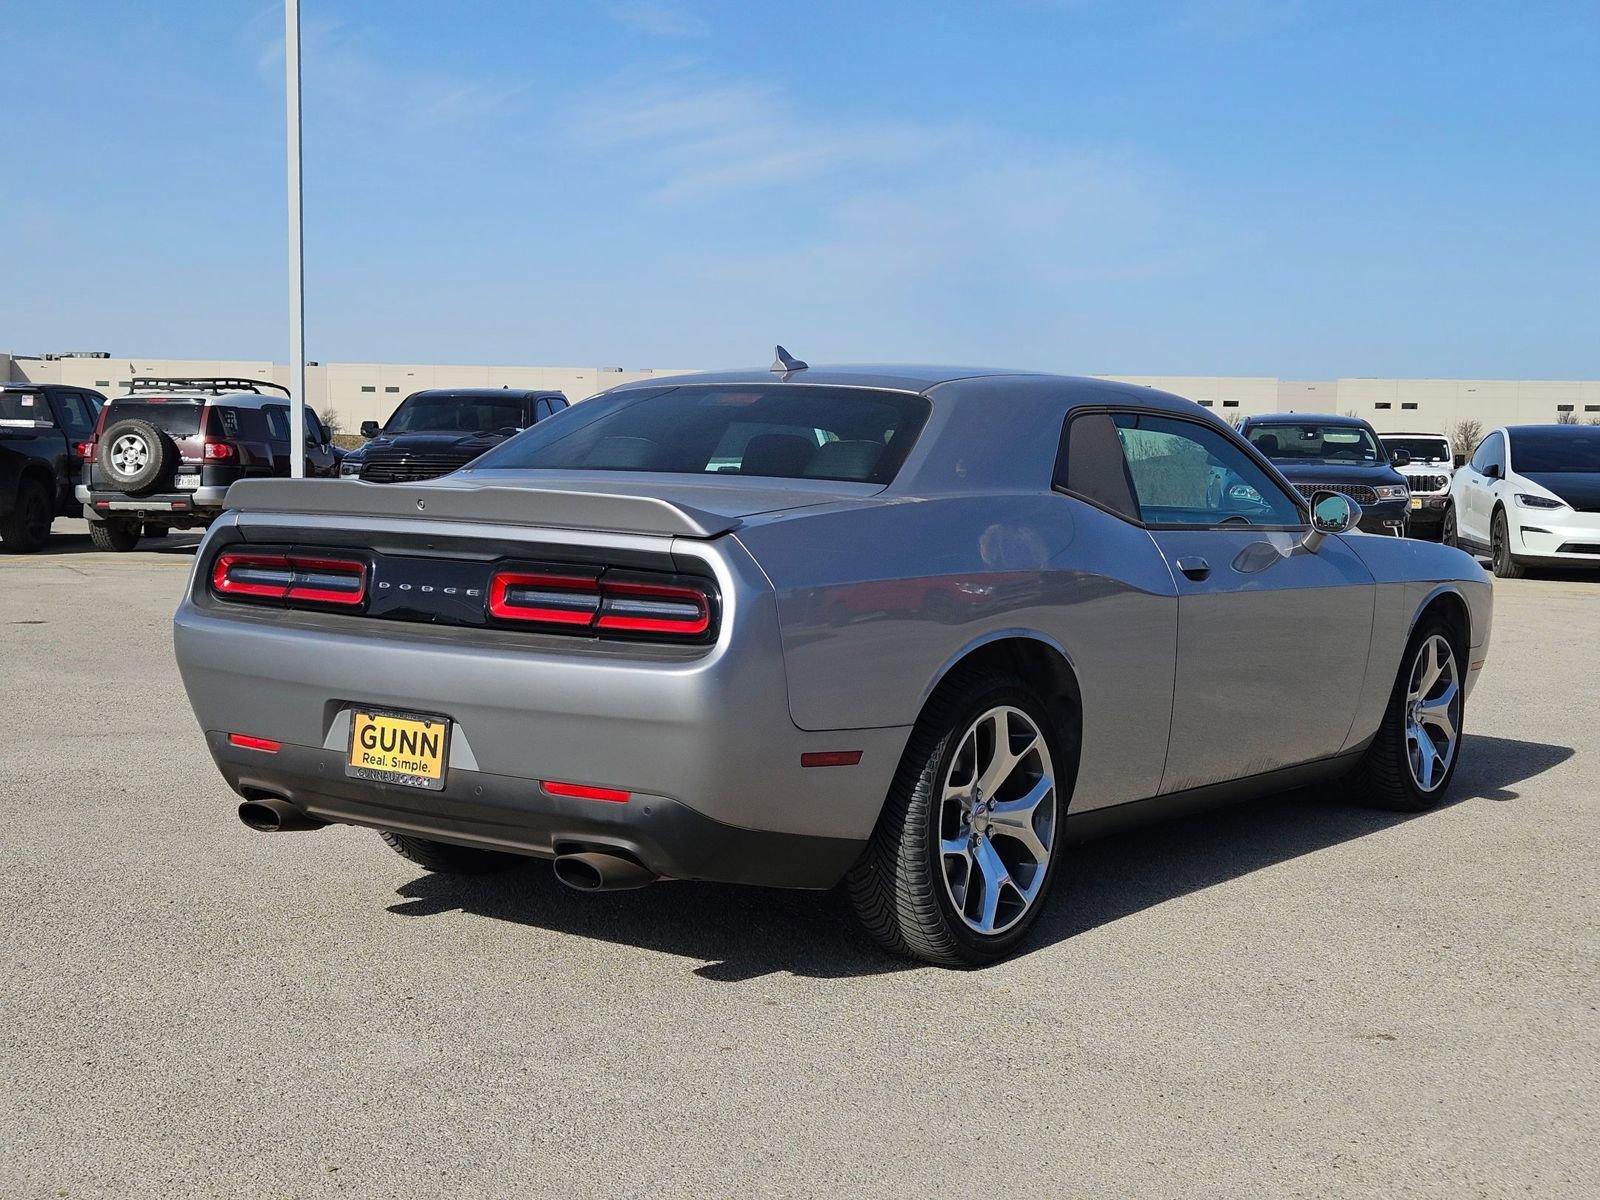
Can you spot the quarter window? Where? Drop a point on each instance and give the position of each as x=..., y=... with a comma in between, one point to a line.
x=1186, y=474
x=1090, y=464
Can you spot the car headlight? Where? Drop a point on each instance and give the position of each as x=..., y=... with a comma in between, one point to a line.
x=1526, y=501
x=1393, y=491
x=349, y=468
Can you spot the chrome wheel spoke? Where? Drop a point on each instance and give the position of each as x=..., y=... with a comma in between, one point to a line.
x=1014, y=819
x=1433, y=713
x=995, y=877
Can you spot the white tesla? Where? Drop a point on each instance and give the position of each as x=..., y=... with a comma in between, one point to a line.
x=1530, y=495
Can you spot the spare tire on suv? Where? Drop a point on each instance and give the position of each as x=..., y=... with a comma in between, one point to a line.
x=136, y=457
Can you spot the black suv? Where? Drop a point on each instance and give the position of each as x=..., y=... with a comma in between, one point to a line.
x=163, y=455
x=44, y=430
x=434, y=432
x=1337, y=454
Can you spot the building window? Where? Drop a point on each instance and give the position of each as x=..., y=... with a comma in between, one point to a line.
x=1591, y=408
x=1230, y=404
x=1563, y=408
x=393, y=391
x=1382, y=404
x=102, y=383
x=1205, y=403
x=1410, y=405
x=127, y=383
x=367, y=387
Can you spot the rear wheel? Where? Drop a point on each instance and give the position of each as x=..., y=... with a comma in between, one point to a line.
x=1502, y=560
x=962, y=859
x=447, y=858
x=114, y=533
x=1414, y=756
x=27, y=526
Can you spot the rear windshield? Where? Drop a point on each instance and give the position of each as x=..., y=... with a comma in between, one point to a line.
x=1421, y=449
x=456, y=414
x=180, y=418
x=774, y=431
x=1545, y=450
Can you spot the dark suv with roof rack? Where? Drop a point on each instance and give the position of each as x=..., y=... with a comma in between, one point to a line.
x=164, y=455
x=437, y=431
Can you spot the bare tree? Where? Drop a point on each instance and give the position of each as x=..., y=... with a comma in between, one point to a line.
x=1567, y=418
x=332, y=422
x=1464, y=436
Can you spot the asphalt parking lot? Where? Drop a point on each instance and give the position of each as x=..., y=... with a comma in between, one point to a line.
x=1289, y=998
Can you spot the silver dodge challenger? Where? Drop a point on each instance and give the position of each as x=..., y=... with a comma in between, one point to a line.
x=910, y=629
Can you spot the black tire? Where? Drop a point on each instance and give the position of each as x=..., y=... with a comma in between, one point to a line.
x=896, y=887
x=1503, y=562
x=1383, y=777
x=27, y=526
x=445, y=858
x=114, y=533
x=159, y=457
x=1447, y=531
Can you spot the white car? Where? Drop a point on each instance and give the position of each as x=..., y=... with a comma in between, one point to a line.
x=1530, y=495
x=1428, y=474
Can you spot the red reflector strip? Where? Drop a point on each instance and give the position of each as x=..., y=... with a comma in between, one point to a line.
x=580, y=791
x=254, y=743
x=830, y=758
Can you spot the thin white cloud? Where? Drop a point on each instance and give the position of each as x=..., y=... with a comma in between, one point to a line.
x=659, y=18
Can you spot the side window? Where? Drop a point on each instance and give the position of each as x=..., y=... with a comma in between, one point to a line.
x=541, y=410
x=76, y=414
x=277, y=421
x=1490, y=451
x=1184, y=473
x=1090, y=464
x=314, y=434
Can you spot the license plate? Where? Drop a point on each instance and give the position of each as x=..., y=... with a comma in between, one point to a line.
x=1416, y=502
x=401, y=748
x=188, y=483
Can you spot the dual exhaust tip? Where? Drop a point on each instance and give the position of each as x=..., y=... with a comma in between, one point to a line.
x=584, y=870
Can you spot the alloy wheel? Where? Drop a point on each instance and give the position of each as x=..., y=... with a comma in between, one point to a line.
x=129, y=454
x=1432, y=713
x=997, y=820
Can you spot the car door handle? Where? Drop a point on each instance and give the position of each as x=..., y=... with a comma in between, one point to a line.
x=1194, y=567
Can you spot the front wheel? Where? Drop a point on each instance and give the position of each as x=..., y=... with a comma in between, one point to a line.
x=1447, y=532
x=1414, y=756
x=1502, y=560
x=959, y=866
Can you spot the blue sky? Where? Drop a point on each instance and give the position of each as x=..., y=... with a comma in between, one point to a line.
x=1221, y=186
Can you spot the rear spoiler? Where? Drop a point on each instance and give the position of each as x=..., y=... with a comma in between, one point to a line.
x=524, y=507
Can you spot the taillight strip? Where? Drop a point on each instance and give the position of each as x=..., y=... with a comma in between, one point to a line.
x=601, y=603
x=249, y=575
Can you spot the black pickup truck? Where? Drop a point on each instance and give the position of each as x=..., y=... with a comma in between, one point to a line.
x=44, y=428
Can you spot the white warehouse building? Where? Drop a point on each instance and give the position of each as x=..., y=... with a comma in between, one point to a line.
x=359, y=392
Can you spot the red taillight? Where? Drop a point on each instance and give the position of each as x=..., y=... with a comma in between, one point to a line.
x=245, y=740
x=606, y=603
x=250, y=575
x=579, y=791
x=85, y=450
x=219, y=452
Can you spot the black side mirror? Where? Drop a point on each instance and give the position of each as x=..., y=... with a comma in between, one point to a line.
x=369, y=429
x=1461, y=460
x=1400, y=458
x=1492, y=471
x=1331, y=512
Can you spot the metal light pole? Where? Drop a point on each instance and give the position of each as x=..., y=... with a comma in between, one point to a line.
x=297, y=263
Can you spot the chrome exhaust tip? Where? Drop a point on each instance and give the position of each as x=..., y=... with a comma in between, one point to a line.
x=597, y=871
x=270, y=815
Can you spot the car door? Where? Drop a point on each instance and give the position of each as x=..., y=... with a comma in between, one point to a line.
x=1479, y=477
x=1272, y=637
x=76, y=413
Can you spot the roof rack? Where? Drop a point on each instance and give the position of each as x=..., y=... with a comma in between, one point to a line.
x=216, y=384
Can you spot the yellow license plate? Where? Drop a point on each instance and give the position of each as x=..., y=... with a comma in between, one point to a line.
x=1416, y=502
x=398, y=748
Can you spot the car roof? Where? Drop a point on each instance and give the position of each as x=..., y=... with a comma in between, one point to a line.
x=1554, y=427
x=1295, y=418
x=486, y=392
x=233, y=399
x=1427, y=433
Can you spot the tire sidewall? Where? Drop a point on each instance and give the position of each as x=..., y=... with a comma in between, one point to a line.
x=972, y=946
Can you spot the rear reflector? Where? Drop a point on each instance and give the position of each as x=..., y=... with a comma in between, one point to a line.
x=631, y=603
x=254, y=743
x=247, y=575
x=217, y=451
x=580, y=791
x=830, y=758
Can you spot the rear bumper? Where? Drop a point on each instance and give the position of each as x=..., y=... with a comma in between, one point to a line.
x=498, y=812
x=98, y=503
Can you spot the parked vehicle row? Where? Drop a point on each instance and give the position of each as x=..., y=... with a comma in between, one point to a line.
x=683, y=630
